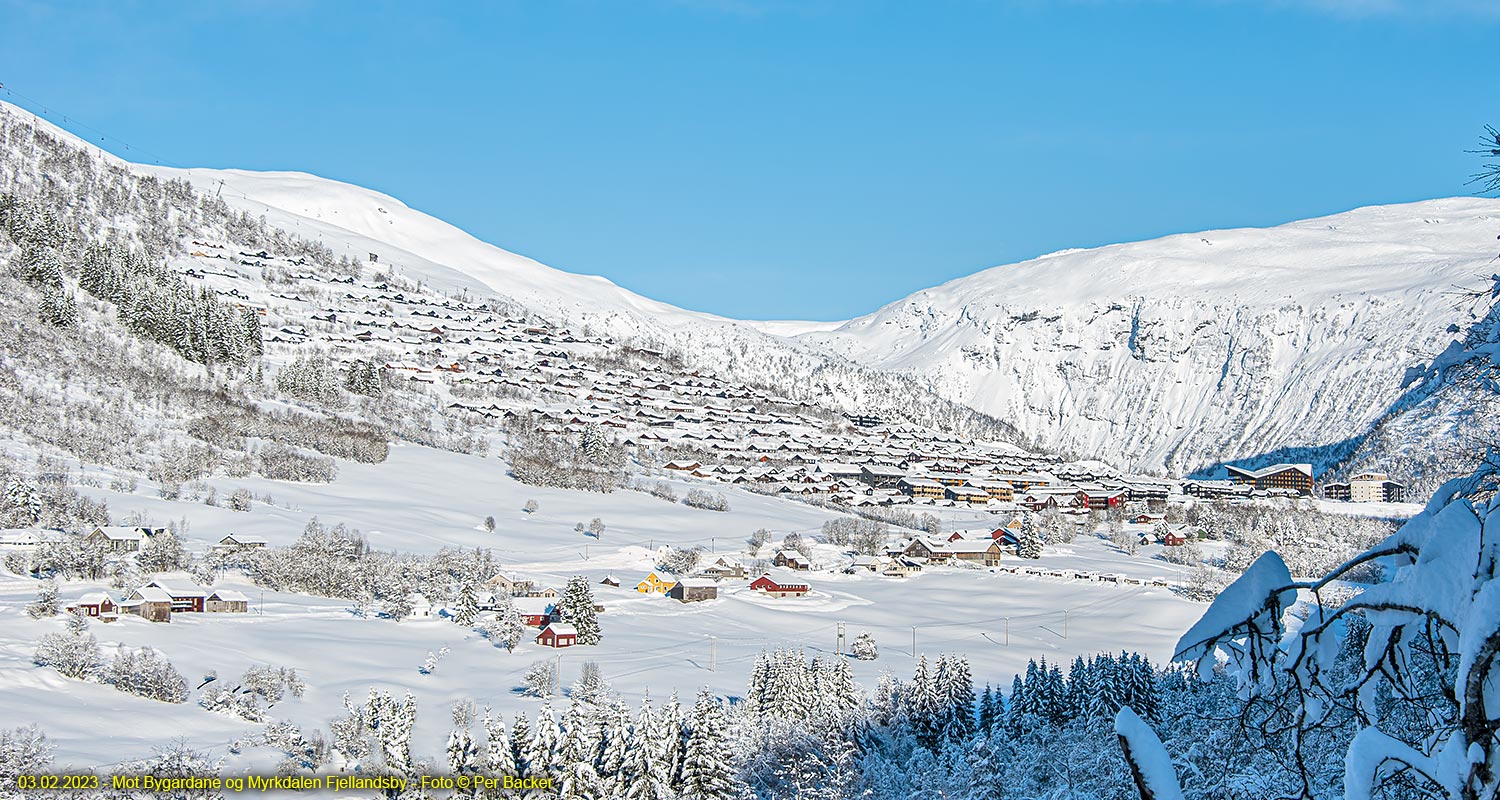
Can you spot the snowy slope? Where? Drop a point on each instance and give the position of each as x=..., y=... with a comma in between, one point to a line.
x=1197, y=348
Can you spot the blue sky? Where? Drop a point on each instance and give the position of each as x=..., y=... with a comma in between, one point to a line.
x=793, y=158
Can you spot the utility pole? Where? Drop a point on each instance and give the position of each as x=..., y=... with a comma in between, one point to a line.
x=913, y=641
x=557, y=679
x=1007, y=631
x=838, y=644
x=713, y=653
x=1066, y=612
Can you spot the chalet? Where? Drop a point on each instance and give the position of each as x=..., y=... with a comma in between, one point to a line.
x=149, y=603
x=1298, y=477
x=655, y=584
x=535, y=611
x=187, y=596
x=967, y=494
x=791, y=559
x=94, y=604
x=512, y=586
x=117, y=538
x=724, y=567
x=1146, y=519
x=1098, y=498
x=771, y=588
x=558, y=634
x=880, y=476
x=610, y=580
x=683, y=466
x=863, y=563
x=694, y=590
x=226, y=601
x=1215, y=489
x=921, y=487
x=1176, y=537
x=925, y=548
x=902, y=568
x=236, y=541
x=985, y=551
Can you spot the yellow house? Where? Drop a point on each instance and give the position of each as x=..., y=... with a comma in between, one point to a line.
x=654, y=584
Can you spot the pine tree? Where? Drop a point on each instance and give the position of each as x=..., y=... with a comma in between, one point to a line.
x=1029, y=542
x=463, y=754
x=466, y=610
x=576, y=607
x=541, y=750
x=520, y=742
x=645, y=773
x=707, y=772
x=499, y=755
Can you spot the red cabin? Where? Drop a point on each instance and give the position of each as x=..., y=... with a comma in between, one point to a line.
x=558, y=634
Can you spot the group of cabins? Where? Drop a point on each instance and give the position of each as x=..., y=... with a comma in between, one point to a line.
x=166, y=594
x=702, y=585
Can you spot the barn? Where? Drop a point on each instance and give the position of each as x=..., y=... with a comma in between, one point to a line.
x=694, y=590
x=558, y=634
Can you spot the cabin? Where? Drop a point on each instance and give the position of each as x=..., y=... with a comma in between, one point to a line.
x=683, y=466
x=94, y=604
x=236, y=541
x=771, y=588
x=150, y=603
x=724, y=567
x=655, y=584
x=929, y=549
x=558, y=634
x=694, y=590
x=902, y=568
x=1176, y=537
x=610, y=580
x=791, y=559
x=226, y=601
x=187, y=596
x=117, y=538
x=1297, y=477
x=985, y=551
x=515, y=587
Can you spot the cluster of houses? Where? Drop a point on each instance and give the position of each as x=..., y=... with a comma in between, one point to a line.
x=167, y=594
x=704, y=584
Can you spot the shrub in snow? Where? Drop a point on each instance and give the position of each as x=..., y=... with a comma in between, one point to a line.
x=758, y=539
x=1185, y=554
x=146, y=673
x=281, y=463
x=489, y=524
x=540, y=679
x=506, y=628
x=23, y=751
x=531, y=507
x=679, y=562
x=45, y=604
x=239, y=500
x=663, y=490
x=706, y=500
x=74, y=654
x=429, y=665
x=864, y=648
x=596, y=527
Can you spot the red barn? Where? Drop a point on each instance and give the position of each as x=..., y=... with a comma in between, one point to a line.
x=558, y=634
x=766, y=586
x=94, y=604
x=1174, y=538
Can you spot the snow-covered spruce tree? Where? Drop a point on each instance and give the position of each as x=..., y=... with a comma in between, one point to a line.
x=23, y=751
x=1029, y=542
x=864, y=647
x=466, y=607
x=576, y=607
x=1440, y=608
x=463, y=754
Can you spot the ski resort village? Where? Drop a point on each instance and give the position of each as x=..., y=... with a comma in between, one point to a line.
x=303, y=488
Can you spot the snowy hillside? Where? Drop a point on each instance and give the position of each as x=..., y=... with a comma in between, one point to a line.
x=1190, y=350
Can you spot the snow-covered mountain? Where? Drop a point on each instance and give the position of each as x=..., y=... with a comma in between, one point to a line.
x=1194, y=349
x=1174, y=354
